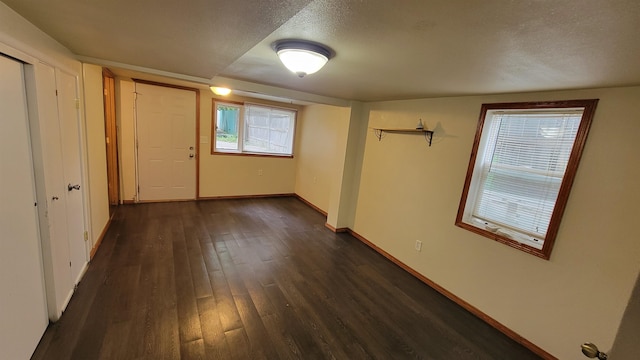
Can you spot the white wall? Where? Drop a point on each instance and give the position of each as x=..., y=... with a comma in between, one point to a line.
x=409, y=191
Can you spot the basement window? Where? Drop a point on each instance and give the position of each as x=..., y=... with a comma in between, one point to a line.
x=250, y=129
x=524, y=159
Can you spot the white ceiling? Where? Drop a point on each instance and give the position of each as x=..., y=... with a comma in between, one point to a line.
x=384, y=49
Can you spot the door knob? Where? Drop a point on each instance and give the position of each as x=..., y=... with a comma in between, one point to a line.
x=191, y=155
x=54, y=198
x=73, y=187
x=591, y=351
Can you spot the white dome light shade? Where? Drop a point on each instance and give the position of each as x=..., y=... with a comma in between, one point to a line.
x=302, y=62
x=301, y=57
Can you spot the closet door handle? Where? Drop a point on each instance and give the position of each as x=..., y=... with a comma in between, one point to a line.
x=73, y=187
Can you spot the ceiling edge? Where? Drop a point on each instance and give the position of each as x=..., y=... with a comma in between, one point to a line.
x=277, y=91
x=115, y=64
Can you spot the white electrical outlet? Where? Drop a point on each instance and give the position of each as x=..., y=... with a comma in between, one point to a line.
x=418, y=245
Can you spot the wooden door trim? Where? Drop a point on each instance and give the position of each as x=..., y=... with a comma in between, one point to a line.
x=113, y=171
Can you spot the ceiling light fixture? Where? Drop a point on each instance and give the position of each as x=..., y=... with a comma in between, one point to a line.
x=222, y=91
x=302, y=57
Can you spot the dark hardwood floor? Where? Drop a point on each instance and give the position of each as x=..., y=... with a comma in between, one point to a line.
x=255, y=279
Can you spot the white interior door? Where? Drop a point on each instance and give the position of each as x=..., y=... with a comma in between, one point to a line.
x=166, y=132
x=68, y=117
x=56, y=247
x=23, y=314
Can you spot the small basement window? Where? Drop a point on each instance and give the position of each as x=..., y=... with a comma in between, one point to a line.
x=249, y=129
x=522, y=165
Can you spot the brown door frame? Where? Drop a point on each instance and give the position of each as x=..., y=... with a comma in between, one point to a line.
x=111, y=135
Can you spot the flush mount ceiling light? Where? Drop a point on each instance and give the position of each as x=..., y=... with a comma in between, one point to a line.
x=302, y=57
x=222, y=91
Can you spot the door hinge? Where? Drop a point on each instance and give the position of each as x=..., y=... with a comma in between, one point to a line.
x=86, y=235
x=106, y=92
x=77, y=103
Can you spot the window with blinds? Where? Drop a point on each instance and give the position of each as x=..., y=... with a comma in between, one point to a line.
x=518, y=183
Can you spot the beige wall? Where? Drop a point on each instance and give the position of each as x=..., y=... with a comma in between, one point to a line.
x=18, y=33
x=228, y=175
x=343, y=205
x=409, y=191
x=96, y=150
x=626, y=344
x=220, y=175
x=320, y=151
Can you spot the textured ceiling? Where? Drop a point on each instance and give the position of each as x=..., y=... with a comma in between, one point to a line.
x=195, y=37
x=384, y=49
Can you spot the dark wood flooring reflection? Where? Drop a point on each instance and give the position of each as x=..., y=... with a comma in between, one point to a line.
x=255, y=279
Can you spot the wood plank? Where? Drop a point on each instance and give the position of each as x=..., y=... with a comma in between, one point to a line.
x=259, y=340
x=193, y=350
x=226, y=307
x=214, y=339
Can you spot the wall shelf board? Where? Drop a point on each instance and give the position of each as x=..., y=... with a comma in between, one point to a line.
x=428, y=134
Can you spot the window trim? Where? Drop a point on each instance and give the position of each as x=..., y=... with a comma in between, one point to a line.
x=214, y=122
x=589, y=106
x=242, y=105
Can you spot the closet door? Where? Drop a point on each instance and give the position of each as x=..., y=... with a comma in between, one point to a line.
x=23, y=314
x=69, y=118
x=56, y=249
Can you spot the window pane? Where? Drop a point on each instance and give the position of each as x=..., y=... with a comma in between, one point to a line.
x=227, y=119
x=523, y=167
x=268, y=130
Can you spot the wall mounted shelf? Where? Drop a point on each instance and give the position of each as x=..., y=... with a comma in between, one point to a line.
x=428, y=134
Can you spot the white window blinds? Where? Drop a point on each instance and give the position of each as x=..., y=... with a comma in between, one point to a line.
x=522, y=166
